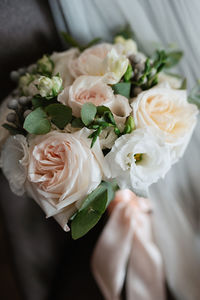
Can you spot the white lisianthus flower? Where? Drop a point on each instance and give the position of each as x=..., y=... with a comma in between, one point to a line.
x=14, y=161
x=129, y=46
x=167, y=114
x=101, y=60
x=121, y=109
x=137, y=160
x=63, y=169
x=114, y=67
x=62, y=61
x=107, y=138
x=86, y=89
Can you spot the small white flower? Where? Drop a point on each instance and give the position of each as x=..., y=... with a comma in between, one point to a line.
x=15, y=159
x=48, y=87
x=137, y=160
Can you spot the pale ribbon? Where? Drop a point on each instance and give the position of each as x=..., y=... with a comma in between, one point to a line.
x=126, y=251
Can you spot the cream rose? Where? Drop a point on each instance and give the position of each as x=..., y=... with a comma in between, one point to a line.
x=86, y=89
x=167, y=114
x=169, y=81
x=101, y=60
x=137, y=160
x=63, y=170
x=62, y=61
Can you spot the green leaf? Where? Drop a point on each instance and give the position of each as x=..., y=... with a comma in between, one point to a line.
x=126, y=32
x=92, y=209
x=37, y=122
x=88, y=113
x=91, y=43
x=184, y=84
x=70, y=40
x=12, y=129
x=60, y=114
x=194, y=96
x=42, y=102
x=102, y=109
x=122, y=88
x=173, y=58
x=77, y=123
x=129, y=73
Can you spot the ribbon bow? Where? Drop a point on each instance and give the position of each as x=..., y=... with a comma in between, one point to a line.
x=126, y=249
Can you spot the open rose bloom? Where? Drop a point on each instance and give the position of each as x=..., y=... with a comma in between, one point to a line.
x=83, y=124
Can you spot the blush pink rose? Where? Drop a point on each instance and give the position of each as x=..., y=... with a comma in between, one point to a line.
x=86, y=89
x=62, y=171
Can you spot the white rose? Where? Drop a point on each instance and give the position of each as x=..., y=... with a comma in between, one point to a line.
x=167, y=114
x=129, y=46
x=86, y=89
x=61, y=64
x=63, y=169
x=137, y=160
x=165, y=80
x=14, y=160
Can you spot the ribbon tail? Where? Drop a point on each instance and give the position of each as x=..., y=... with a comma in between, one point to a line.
x=112, y=251
x=145, y=276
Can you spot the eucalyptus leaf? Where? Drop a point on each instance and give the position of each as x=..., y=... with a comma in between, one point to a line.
x=37, y=122
x=60, y=114
x=12, y=129
x=126, y=32
x=194, y=96
x=88, y=113
x=101, y=109
x=92, y=209
x=122, y=88
x=77, y=123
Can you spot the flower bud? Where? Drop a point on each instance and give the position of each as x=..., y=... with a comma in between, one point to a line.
x=45, y=66
x=13, y=104
x=11, y=117
x=49, y=87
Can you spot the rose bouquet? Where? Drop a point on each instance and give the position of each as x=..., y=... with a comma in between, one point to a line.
x=90, y=120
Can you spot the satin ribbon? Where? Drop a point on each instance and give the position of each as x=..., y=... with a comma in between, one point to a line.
x=126, y=249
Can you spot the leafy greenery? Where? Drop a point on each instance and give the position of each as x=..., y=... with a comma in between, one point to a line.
x=92, y=209
x=60, y=114
x=173, y=58
x=128, y=74
x=122, y=88
x=88, y=113
x=77, y=123
x=37, y=122
x=149, y=76
x=194, y=96
x=126, y=32
x=72, y=42
x=129, y=125
x=13, y=130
